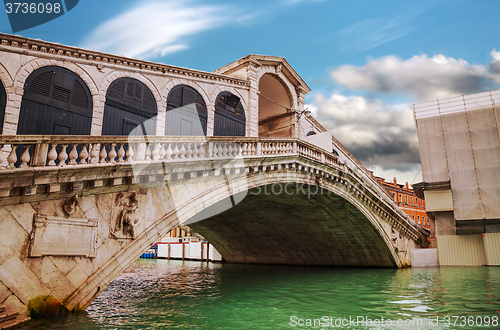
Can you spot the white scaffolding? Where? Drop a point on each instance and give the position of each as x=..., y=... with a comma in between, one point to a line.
x=460, y=141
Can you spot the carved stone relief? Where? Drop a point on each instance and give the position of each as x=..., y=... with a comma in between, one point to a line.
x=126, y=220
x=71, y=204
x=59, y=236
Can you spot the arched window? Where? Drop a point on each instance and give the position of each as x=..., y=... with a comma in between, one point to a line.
x=56, y=101
x=3, y=102
x=229, y=116
x=186, y=112
x=129, y=104
x=310, y=133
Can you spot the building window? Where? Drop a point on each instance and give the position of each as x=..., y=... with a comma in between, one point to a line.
x=411, y=200
x=413, y=217
x=400, y=198
x=394, y=197
x=418, y=217
x=406, y=199
x=229, y=117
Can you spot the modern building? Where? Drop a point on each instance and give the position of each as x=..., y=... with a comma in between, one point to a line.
x=408, y=201
x=459, y=141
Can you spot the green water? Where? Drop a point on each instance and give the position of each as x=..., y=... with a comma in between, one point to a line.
x=162, y=294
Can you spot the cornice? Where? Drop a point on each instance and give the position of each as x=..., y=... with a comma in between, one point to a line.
x=20, y=44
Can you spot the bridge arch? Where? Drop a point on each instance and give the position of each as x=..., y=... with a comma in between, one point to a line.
x=229, y=117
x=129, y=104
x=188, y=200
x=276, y=101
x=56, y=101
x=186, y=112
x=213, y=99
x=97, y=124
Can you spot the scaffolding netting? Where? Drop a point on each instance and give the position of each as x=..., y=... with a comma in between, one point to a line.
x=460, y=141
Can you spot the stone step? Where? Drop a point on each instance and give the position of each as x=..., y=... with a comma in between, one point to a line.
x=2, y=308
x=8, y=315
x=18, y=319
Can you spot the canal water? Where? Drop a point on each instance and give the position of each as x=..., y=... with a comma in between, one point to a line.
x=168, y=294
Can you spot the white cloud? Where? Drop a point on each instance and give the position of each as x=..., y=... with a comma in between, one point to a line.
x=376, y=133
x=370, y=33
x=421, y=76
x=155, y=28
x=494, y=66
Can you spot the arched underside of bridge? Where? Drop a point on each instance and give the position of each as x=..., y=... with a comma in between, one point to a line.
x=294, y=224
x=265, y=214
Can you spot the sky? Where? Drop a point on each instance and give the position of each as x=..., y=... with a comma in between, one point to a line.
x=367, y=62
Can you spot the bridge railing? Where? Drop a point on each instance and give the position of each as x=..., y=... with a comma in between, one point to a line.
x=22, y=152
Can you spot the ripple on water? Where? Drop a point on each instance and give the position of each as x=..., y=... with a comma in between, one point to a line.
x=161, y=294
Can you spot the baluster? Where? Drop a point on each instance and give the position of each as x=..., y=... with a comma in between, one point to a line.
x=203, y=150
x=73, y=155
x=239, y=149
x=63, y=156
x=2, y=157
x=121, y=153
x=52, y=155
x=225, y=150
x=94, y=154
x=84, y=154
x=182, y=151
x=148, y=151
x=25, y=157
x=218, y=150
x=156, y=151
x=168, y=152
x=210, y=150
x=253, y=149
x=103, y=154
x=189, y=152
x=112, y=153
x=12, y=158
x=130, y=153
x=230, y=150
x=244, y=149
x=175, y=152
x=196, y=150
x=162, y=151
x=275, y=148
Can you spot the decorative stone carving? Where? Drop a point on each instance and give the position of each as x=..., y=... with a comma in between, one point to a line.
x=71, y=204
x=127, y=220
x=318, y=180
x=58, y=236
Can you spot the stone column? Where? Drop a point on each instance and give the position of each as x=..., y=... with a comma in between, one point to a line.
x=253, y=100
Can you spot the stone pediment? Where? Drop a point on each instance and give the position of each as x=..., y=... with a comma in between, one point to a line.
x=238, y=69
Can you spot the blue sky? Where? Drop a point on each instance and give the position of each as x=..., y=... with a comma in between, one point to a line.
x=367, y=62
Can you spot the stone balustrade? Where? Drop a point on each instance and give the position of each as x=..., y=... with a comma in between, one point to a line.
x=20, y=152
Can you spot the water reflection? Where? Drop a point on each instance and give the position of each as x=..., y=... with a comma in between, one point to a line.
x=161, y=294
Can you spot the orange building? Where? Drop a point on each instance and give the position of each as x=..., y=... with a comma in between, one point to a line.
x=405, y=198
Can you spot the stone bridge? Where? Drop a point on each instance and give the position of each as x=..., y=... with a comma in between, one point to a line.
x=65, y=231
x=102, y=155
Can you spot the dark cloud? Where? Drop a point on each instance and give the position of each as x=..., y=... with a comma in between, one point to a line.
x=422, y=77
x=376, y=133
